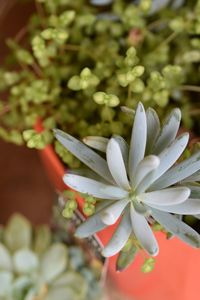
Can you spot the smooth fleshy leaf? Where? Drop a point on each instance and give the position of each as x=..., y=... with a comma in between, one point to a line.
x=143, y=233
x=124, y=149
x=153, y=128
x=195, y=190
x=188, y=207
x=148, y=164
x=62, y=293
x=181, y=172
x=73, y=280
x=171, y=196
x=168, y=132
x=177, y=227
x=96, y=142
x=5, y=259
x=126, y=257
x=167, y=158
x=42, y=239
x=18, y=233
x=138, y=140
x=92, y=187
x=92, y=225
x=6, y=284
x=111, y=214
x=116, y=164
x=120, y=237
x=54, y=261
x=25, y=261
x=84, y=154
x=193, y=177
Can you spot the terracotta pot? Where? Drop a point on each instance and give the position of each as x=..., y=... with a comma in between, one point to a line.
x=176, y=273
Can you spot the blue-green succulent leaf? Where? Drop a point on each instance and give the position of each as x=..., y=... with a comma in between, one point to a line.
x=92, y=187
x=138, y=140
x=177, y=227
x=120, y=236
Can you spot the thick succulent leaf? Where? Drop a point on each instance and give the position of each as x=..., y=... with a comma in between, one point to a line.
x=148, y=164
x=120, y=236
x=25, y=261
x=86, y=172
x=20, y=286
x=92, y=187
x=141, y=208
x=116, y=164
x=111, y=214
x=6, y=284
x=42, y=239
x=18, y=233
x=54, y=262
x=138, y=140
x=73, y=281
x=177, y=227
x=167, y=158
x=144, y=233
x=194, y=177
x=126, y=257
x=171, y=196
x=63, y=293
x=92, y=225
x=5, y=259
x=168, y=132
x=84, y=154
x=153, y=128
x=124, y=149
x=96, y=142
x=188, y=207
x=31, y=294
x=195, y=190
x=180, y=172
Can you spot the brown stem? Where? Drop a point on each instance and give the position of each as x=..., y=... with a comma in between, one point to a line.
x=20, y=35
x=40, y=12
x=5, y=109
x=37, y=70
x=192, y=88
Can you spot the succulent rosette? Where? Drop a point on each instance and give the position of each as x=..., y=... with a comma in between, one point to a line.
x=138, y=182
x=35, y=267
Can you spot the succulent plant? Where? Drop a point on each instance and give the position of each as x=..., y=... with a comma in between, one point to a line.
x=34, y=266
x=138, y=183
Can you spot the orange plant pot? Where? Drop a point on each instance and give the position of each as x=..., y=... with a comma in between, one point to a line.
x=176, y=273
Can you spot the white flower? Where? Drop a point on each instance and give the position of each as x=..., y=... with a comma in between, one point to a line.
x=138, y=181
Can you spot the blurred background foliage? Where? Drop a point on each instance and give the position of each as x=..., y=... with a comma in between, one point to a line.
x=75, y=63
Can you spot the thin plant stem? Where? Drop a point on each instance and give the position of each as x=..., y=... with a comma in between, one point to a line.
x=129, y=92
x=156, y=23
x=192, y=88
x=168, y=40
x=40, y=12
x=20, y=35
x=5, y=109
x=37, y=70
x=71, y=47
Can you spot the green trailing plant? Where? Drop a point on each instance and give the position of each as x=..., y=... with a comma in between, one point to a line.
x=74, y=55
x=36, y=265
x=140, y=185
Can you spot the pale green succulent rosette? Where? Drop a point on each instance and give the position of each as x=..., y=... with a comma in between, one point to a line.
x=36, y=268
x=139, y=182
